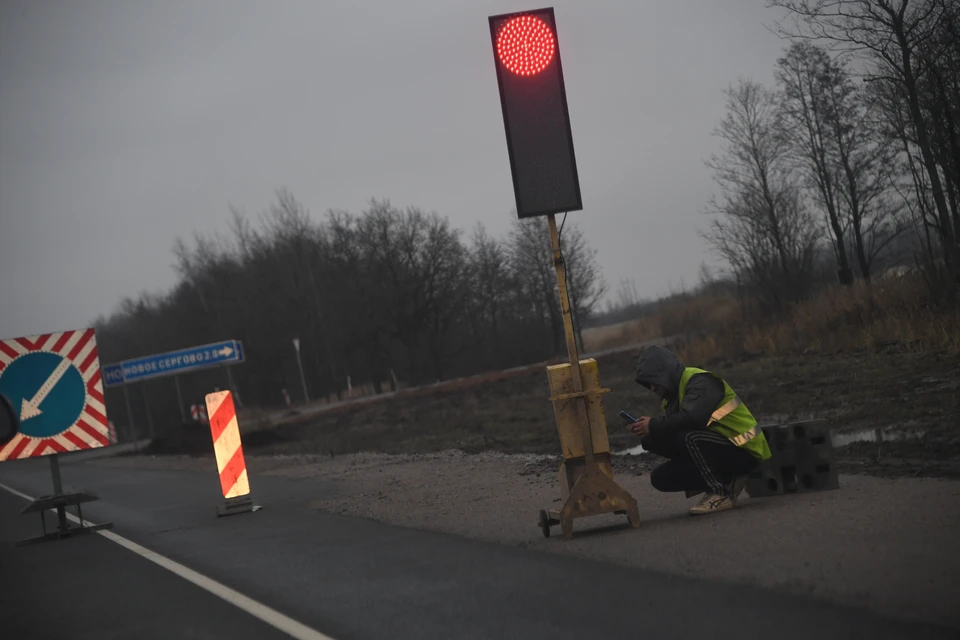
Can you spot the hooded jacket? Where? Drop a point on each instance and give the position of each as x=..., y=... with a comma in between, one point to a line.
x=704, y=392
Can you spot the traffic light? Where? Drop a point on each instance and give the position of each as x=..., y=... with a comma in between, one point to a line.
x=526, y=54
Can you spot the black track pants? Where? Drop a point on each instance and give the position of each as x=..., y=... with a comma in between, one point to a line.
x=699, y=460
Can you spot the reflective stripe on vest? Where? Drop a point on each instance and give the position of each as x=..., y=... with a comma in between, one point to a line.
x=725, y=410
x=746, y=436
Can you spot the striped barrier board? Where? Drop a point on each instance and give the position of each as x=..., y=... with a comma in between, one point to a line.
x=198, y=413
x=54, y=385
x=226, y=445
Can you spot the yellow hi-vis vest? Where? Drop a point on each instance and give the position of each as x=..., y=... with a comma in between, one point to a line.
x=731, y=418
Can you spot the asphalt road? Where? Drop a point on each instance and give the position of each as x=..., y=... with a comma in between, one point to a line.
x=350, y=578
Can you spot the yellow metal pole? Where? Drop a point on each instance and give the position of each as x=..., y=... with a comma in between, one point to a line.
x=585, y=430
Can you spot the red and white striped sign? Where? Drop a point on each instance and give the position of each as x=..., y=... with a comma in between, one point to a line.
x=226, y=444
x=53, y=381
x=198, y=413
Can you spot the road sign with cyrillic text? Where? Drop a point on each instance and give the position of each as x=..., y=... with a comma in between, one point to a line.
x=174, y=362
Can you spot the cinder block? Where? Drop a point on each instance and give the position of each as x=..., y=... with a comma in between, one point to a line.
x=762, y=483
x=801, y=460
x=782, y=446
x=821, y=477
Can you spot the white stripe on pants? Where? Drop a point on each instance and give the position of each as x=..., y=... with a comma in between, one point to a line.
x=692, y=440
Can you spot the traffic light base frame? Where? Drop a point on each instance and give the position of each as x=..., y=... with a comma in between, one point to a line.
x=593, y=493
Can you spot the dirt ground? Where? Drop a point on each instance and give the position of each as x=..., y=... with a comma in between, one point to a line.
x=909, y=395
x=878, y=543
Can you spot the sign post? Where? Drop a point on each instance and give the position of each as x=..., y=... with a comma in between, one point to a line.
x=126, y=400
x=183, y=414
x=303, y=380
x=232, y=386
x=146, y=407
x=543, y=165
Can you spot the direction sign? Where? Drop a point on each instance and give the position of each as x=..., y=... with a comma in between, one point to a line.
x=53, y=383
x=174, y=362
x=112, y=374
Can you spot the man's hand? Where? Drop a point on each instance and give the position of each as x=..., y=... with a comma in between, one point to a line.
x=641, y=427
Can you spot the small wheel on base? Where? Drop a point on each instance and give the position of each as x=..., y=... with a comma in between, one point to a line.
x=544, y=523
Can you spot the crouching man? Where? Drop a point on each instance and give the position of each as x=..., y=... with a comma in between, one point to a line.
x=710, y=437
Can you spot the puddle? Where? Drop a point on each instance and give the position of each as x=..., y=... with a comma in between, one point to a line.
x=839, y=439
x=632, y=451
x=874, y=435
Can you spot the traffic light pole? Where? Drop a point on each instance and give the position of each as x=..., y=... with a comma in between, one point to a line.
x=570, y=333
x=594, y=492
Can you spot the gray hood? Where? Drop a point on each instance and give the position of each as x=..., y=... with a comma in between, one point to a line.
x=658, y=366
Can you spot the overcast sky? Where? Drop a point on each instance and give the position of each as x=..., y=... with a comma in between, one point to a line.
x=125, y=124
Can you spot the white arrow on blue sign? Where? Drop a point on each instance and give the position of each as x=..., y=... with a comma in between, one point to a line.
x=173, y=362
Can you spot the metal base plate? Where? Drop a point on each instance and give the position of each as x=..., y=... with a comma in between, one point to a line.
x=59, y=502
x=234, y=506
x=59, y=535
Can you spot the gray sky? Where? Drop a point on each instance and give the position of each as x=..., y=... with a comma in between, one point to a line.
x=124, y=124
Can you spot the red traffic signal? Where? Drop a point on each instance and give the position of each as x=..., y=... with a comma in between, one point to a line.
x=535, y=115
x=525, y=45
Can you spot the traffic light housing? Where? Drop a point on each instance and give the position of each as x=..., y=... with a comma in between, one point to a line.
x=526, y=54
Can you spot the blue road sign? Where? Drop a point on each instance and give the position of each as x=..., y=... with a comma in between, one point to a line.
x=174, y=362
x=112, y=374
x=48, y=391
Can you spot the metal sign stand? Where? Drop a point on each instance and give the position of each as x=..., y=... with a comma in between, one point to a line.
x=240, y=504
x=60, y=501
x=593, y=492
x=183, y=413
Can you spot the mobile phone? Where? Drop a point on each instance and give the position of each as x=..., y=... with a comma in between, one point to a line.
x=626, y=416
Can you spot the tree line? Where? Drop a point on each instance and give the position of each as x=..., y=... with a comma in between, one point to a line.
x=382, y=295
x=855, y=148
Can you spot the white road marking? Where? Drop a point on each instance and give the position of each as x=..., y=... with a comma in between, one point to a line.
x=271, y=616
x=31, y=408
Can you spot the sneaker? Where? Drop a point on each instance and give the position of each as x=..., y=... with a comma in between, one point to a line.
x=737, y=487
x=711, y=503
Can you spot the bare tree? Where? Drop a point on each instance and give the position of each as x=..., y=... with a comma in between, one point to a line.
x=585, y=283
x=803, y=75
x=847, y=160
x=762, y=228
x=532, y=262
x=893, y=37
x=492, y=284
